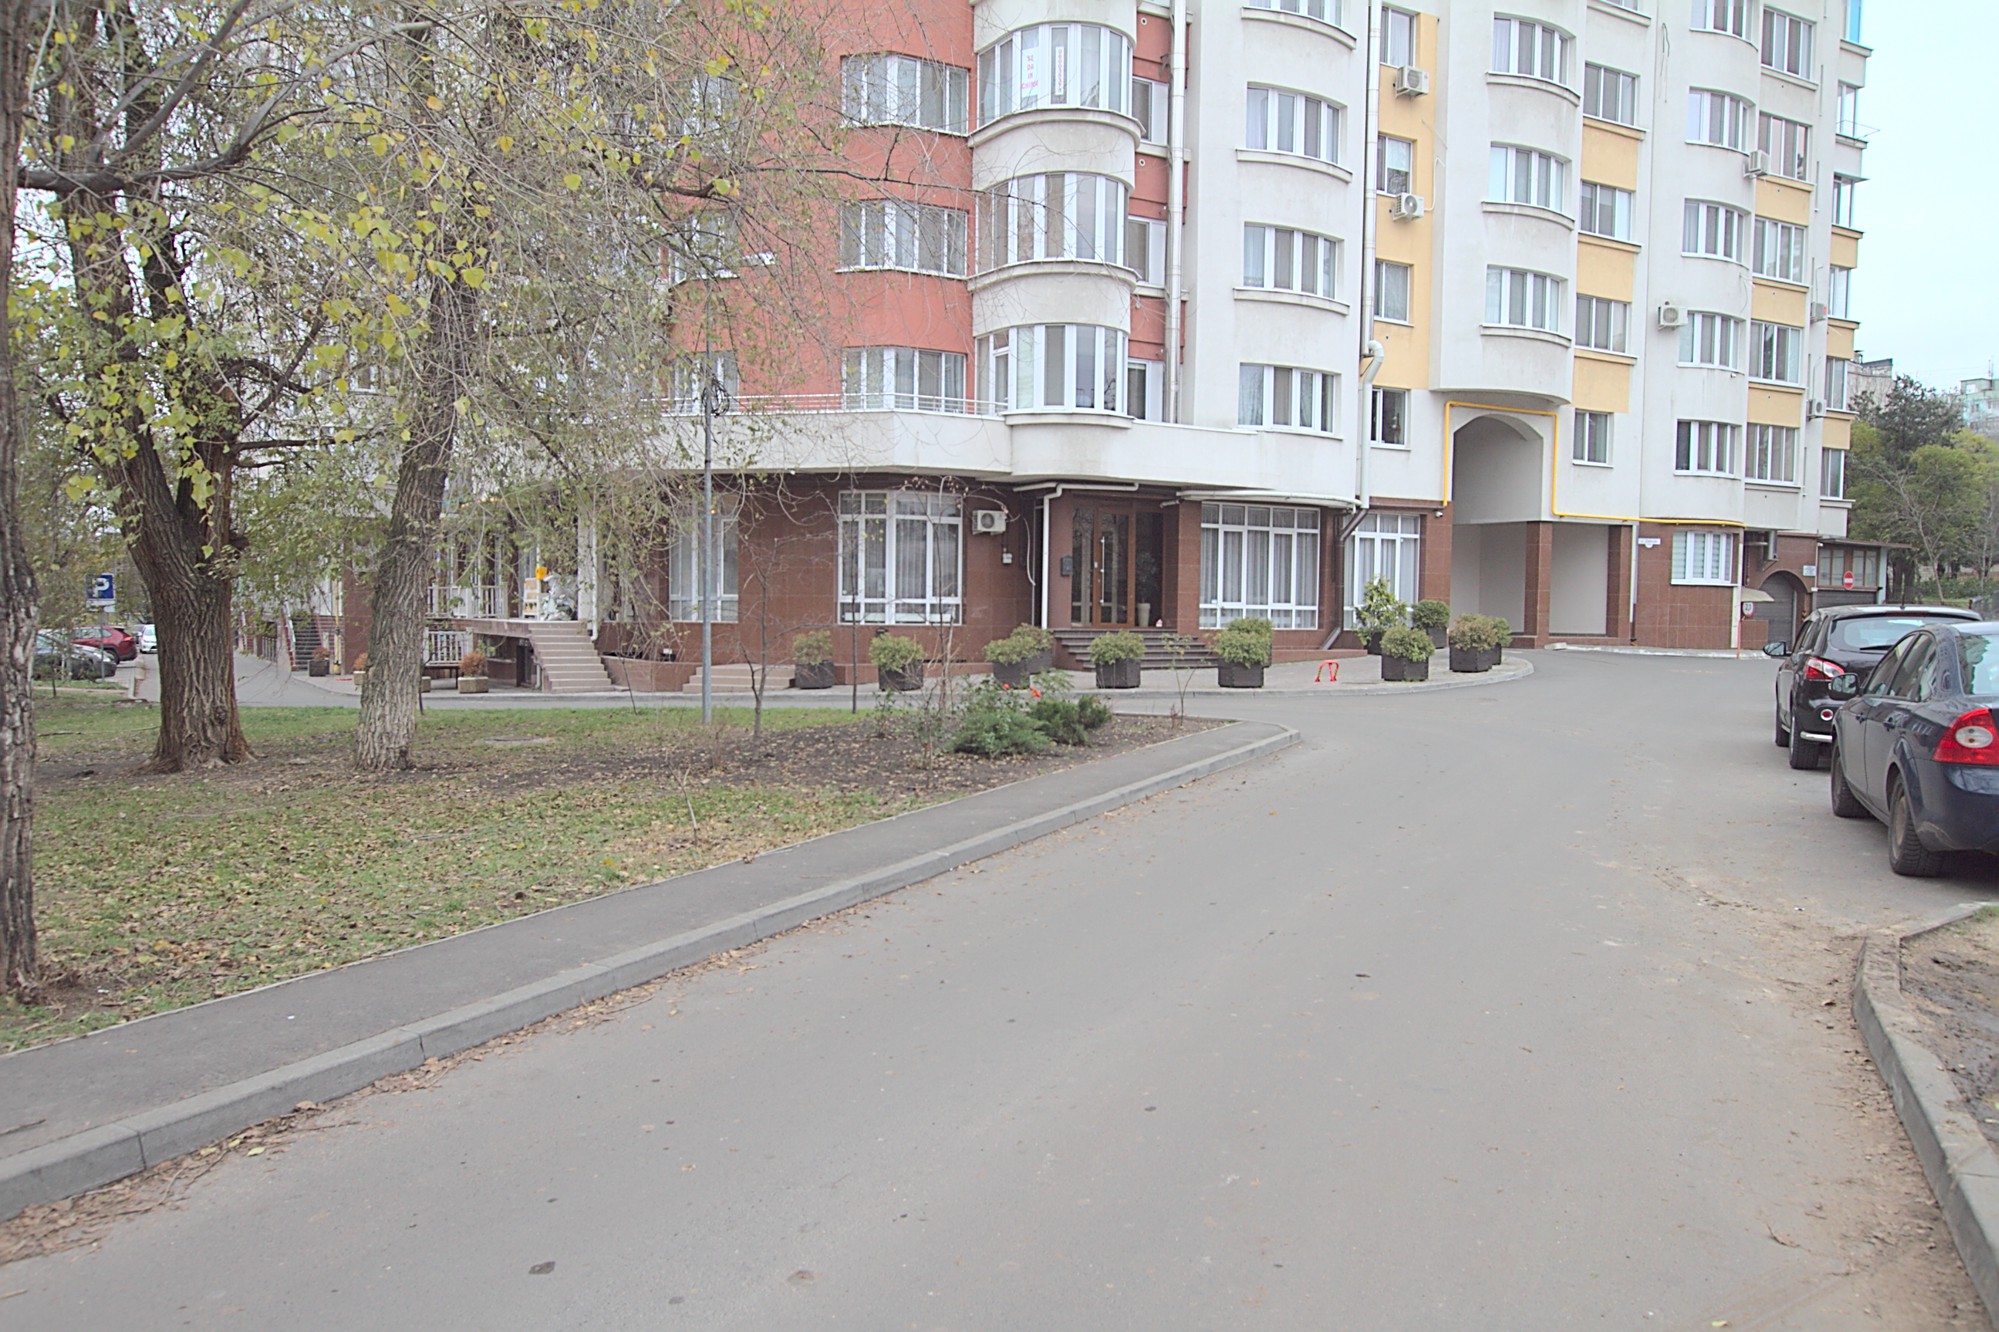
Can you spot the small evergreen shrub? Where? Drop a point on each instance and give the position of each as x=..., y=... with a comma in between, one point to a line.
x=1410, y=644
x=812, y=649
x=1430, y=614
x=1122, y=645
x=894, y=652
x=1093, y=712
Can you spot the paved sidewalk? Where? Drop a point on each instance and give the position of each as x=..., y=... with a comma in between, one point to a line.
x=83, y=1112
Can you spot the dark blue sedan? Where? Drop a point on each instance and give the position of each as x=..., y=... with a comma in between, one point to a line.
x=1918, y=745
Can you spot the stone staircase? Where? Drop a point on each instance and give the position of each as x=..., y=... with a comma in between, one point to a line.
x=567, y=658
x=1073, y=649
x=734, y=678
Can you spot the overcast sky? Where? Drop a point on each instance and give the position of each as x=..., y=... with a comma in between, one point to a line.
x=1927, y=292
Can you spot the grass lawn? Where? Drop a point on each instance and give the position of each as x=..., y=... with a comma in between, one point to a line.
x=156, y=892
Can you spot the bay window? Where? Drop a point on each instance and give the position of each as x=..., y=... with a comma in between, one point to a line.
x=1528, y=176
x=1281, y=259
x=1288, y=122
x=1711, y=339
x=1718, y=118
x=1516, y=298
x=1705, y=448
x=1714, y=230
x=1059, y=215
x=1288, y=397
x=1533, y=50
x=1052, y=367
x=1055, y=64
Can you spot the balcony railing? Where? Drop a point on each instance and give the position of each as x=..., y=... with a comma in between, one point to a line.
x=444, y=647
x=829, y=403
x=483, y=602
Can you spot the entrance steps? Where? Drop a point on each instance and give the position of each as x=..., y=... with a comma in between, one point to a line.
x=566, y=657
x=734, y=678
x=1073, y=649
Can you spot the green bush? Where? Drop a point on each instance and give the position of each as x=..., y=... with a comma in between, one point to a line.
x=813, y=649
x=1430, y=614
x=1480, y=633
x=893, y=652
x=1018, y=646
x=1121, y=645
x=1254, y=624
x=1380, y=609
x=1410, y=644
x=1060, y=719
x=1242, y=647
x=998, y=732
x=1093, y=712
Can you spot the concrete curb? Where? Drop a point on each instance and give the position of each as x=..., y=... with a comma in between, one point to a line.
x=1958, y=1161
x=109, y=1152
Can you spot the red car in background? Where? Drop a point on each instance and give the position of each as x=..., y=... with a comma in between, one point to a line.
x=118, y=642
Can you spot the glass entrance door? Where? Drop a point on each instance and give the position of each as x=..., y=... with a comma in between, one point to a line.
x=1101, y=547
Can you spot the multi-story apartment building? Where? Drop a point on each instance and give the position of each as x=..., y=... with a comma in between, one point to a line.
x=1165, y=314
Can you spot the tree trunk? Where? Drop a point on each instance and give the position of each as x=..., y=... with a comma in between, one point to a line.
x=395, y=642
x=19, y=963
x=199, y=724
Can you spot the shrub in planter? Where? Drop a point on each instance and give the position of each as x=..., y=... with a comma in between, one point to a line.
x=1379, y=611
x=1116, y=657
x=1432, y=617
x=360, y=669
x=898, y=662
x=1405, y=654
x=1476, y=642
x=321, y=663
x=1021, y=655
x=812, y=660
x=472, y=672
x=1242, y=654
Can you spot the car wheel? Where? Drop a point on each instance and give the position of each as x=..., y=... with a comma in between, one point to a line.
x=1783, y=733
x=1844, y=803
x=1805, y=754
x=1906, y=853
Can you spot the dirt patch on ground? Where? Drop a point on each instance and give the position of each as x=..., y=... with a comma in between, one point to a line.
x=1952, y=977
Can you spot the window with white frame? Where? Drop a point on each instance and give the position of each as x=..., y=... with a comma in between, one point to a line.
x=1712, y=339
x=1278, y=121
x=711, y=104
x=1052, y=367
x=1832, y=473
x=1528, y=176
x=1145, y=249
x=1853, y=22
x=1705, y=448
x=1603, y=324
x=1145, y=388
x=902, y=379
x=1288, y=397
x=1729, y=16
x=1713, y=229
x=1149, y=108
x=1776, y=352
x=1847, y=119
x=1610, y=94
x=1283, y=259
x=1388, y=418
x=1384, y=545
x=895, y=233
x=684, y=564
x=1704, y=557
x=1772, y=455
x=883, y=88
x=1836, y=398
x=703, y=245
x=1055, y=64
x=1839, y=292
x=1718, y=118
x=1787, y=42
x=1260, y=560
x=1605, y=210
x=901, y=557
x=1391, y=290
x=1591, y=442
x=1516, y=298
x=1843, y=190
x=688, y=373
x=1779, y=251
x=1533, y=50
x=1060, y=215
x=1394, y=165
x=1325, y=11
x=1788, y=143
x=1398, y=36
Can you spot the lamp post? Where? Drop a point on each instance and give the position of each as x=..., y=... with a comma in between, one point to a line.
x=713, y=400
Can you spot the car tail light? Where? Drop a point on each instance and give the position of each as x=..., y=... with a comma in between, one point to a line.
x=1818, y=668
x=1972, y=738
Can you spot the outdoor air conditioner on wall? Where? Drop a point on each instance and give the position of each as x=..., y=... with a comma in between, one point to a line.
x=1406, y=206
x=1411, y=81
x=1671, y=315
x=1756, y=162
x=1818, y=312
x=1815, y=408
x=988, y=522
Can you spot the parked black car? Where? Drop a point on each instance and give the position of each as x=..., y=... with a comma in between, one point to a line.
x=1835, y=642
x=1918, y=745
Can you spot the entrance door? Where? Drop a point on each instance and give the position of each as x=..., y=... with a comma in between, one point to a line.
x=1100, y=590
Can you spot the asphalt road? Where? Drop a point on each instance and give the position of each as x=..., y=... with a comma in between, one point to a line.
x=1512, y=1007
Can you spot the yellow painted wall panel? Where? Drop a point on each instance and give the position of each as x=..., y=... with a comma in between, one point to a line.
x=1778, y=305
x=1838, y=432
x=1605, y=269
x=1784, y=200
x=1839, y=340
x=1602, y=384
x=1776, y=406
x=1610, y=155
x=1845, y=250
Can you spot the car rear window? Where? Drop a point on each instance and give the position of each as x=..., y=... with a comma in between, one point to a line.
x=1875, y=633
x=1981, y=663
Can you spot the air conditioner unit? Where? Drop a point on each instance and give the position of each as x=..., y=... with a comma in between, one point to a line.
x=1756, y=162
x=1671, y=315
x=1410, y=81
x=988, y=522
x=1818, y=312
x=1406, y=206
x=1815, y=408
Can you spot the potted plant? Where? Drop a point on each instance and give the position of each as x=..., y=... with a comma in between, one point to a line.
x=1021, y=655
x=472, y=672
x=812, y=660
x=1476, y=642
x=1433, y=617
x=322, y=661
x=1405, y=653
x=1241, y=654
x=898, y=662
x=1379, y=611
x=360, y=669
x=1116, y=657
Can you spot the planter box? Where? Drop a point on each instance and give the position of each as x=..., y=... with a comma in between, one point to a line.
x=1118, y=675
x=472, y=684
x=1019, y=673
x=1401, y=668
x=319, y=666
x=423, y=684
x=813, y=675
x=1439, y=638
x=360, y=678
x=902, y=682
x=1231, y=676
x=1472, y=661
x=633, y=673
x=1372, y=642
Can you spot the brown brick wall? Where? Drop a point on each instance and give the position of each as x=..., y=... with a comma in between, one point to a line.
x=1676, y=616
